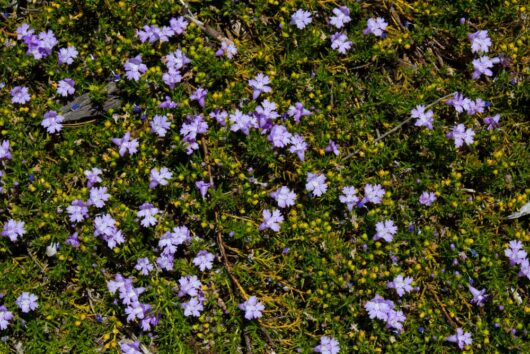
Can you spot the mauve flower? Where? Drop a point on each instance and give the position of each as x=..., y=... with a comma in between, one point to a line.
x=279, y=136
x=24, y=30
x=52, y=122
x=168, y=103
x=67, y=55
x=160, y=125
x=5, y=317
x=328, y=345
x=298, y=146
x=130, y=348
x=401, y=285
x=332, y=147
x=199, y=95
x=20, y=94
x=27, y=302
x=298, y=111
x=176, y=60
x=227, y=49
x=78, y=211
x=301, y=18
x=203, y=187
x=385, y=230
x=242, y=122
x=376, y=26
x=219, y=116
x=423, y=119
x=461, y=135
x=316, y=183
x=492, y=122
x=5, y=152
x=93, y=176
x=189, y=285
x=171, y=78
x=340, y=42
x=515, y=252
x=13, y=229
x=253, y=308
x=480, y=41
x=427, y=198
x=379, y=308
x=193, y=307
x=373, y=194
x=159, y=177
x=178, y=25
x=461, y=338
x=483, y=66
x=134, y=68
x=98, y=196
x=203, y=260
x=479, y=296
x=147, y=212
x=126, y=144
x=66, y=87
x=271, y=220
x=341, y=17
x=259, y=85
x=284, y=197
x=349, y=197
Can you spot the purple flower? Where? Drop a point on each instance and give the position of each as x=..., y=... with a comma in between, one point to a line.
x=423, y=119
x=137, y=310
x=483, y=66
x=105, y=227
x=5, y=153
x=242, y=122
x=219, y=116
x=126, y=144
x=27, y=302
x=461, y=135
x=259, y=85
x=20, y=94
x=13, y=229
x=203, y=187
x=427, y=198
x=301, y=18
x=168, y=103
x=340, y=42
x=266, y=113
x=227, y=49
x=395, y=320
x=165, y=261
x=252, y=307
x=73, y=240
x=476, y=106
x=379, y=308
x=401, y=285
x=200, y=96
x=130, y=348
x=159, y=177
x=193, y=307
x=316, y=183
x=492, y=122
x=480, y=42
x=147, y=212
x=66, y=87
x=134, y=68
x=515, y=252
x=78, y=211
x=479, y=296
x=298, y=111
x=5, y=317
x=385, y=230
x=376, y=26
x=52, y=122
x=67, y=55
x=189, y=285
x=298, y=146
x=461, y=338
x=373, y=194
x=189, y=131
x=176, y=60
x=93, y=176
x=279, y=136
x=98, y=196
x=172, y=77
x=203, y=260
x=328, y=345
x=459, y=102
x=284, y=197
x=525, y=268
x=342, y=16
x=178, y=25
x=143, y=266
x=171, y=240
x=24, y=30
x=160, y=125
x=271, y=220
x=332, y=147
x=348, y=197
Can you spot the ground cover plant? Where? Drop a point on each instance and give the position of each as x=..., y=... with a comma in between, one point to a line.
x=264, y=176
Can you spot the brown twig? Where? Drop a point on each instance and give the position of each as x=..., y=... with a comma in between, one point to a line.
x=442, y=306
x=397, y=127
x=204, y=27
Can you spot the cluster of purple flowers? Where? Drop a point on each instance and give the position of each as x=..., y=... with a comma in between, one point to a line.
x=105, y=227
x=39, y=45
x=52, y=122
x=125, y=144
x=129, y=297
x=384, y=310
x=169, y=243
x=480, y=43
x=190, y=130
x=13, y=229
x=134, y=68
x=26, y=302
x=190, y=285
x=328, y=345
x=155, y=33
x=147, y=213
